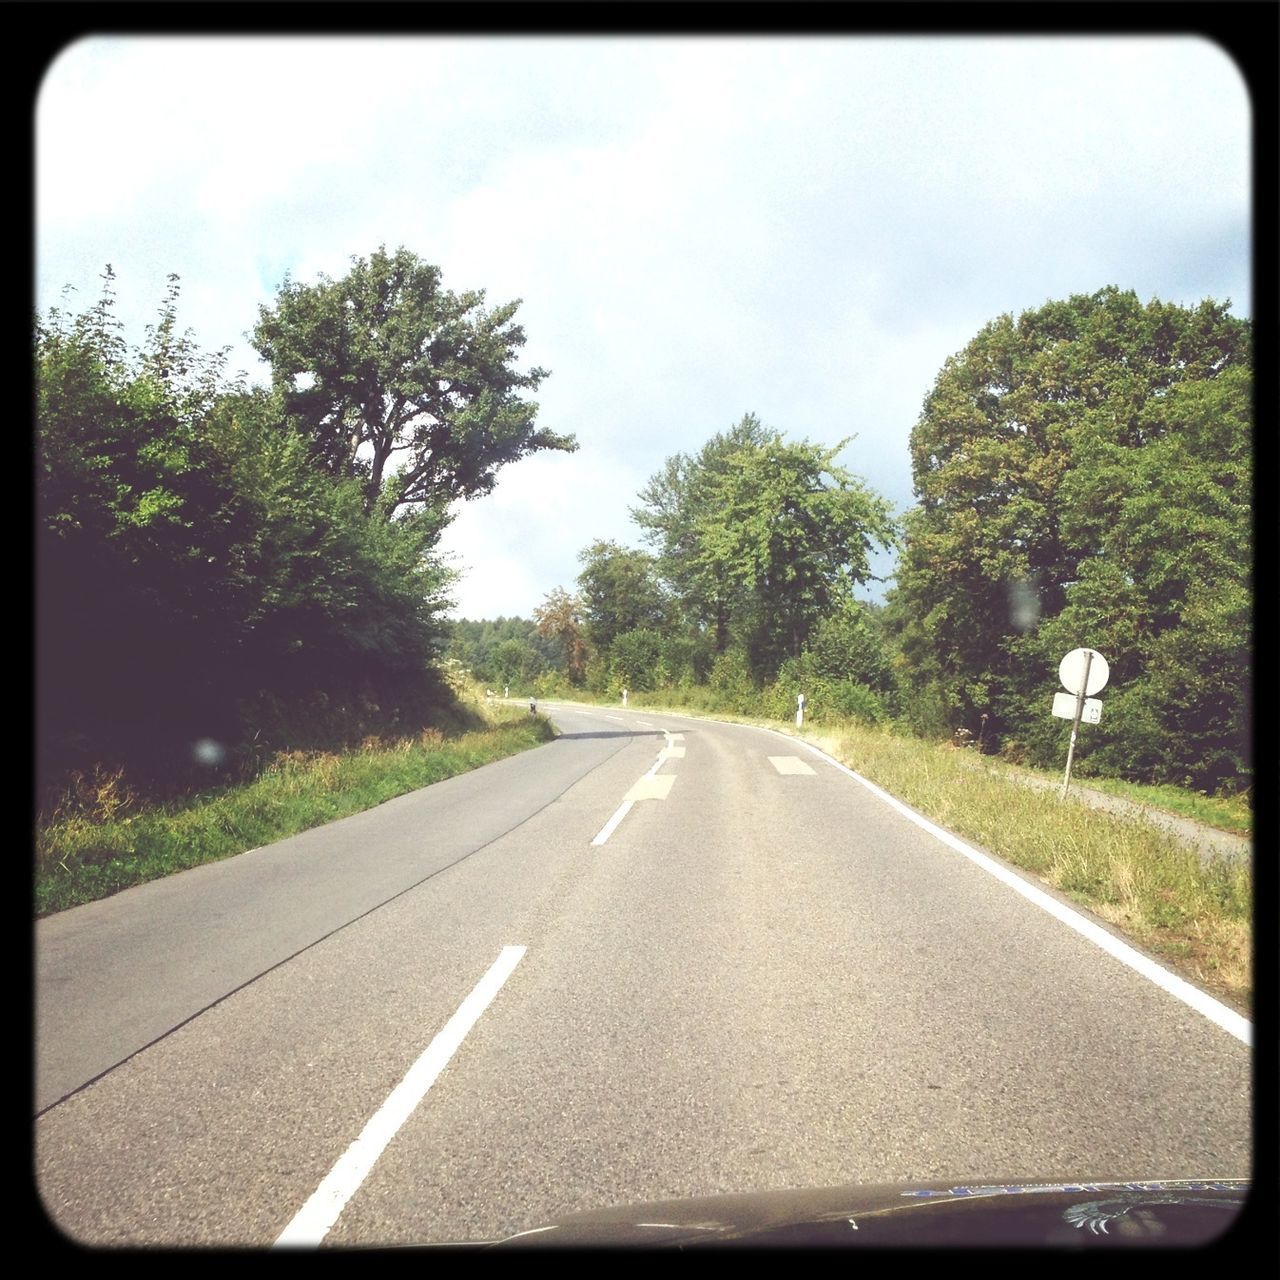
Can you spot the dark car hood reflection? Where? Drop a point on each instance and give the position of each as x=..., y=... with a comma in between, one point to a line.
x=1020, y=1214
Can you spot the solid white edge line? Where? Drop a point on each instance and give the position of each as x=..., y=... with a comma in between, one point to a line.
x=1217, y=1013
x=315, y=1219
x=612, y=825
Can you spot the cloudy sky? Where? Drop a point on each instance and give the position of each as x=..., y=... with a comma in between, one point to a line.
x=800, y=227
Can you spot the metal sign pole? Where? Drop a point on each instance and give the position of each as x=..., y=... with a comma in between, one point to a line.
x=1075, y=724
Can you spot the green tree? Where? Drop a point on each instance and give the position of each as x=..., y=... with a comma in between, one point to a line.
x=792, y=531
x=635, y=658
x=1083, y=477
x=516, y=660
x=402, y=385
x=674, y=505
x=759, y=538
x=619, y=591
x=190, y=558
x=475, y=643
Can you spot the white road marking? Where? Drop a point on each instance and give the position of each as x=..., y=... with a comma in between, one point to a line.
x=612, y=825
x=619, y=719
x=1217, y=1012
x=315, y=1219
x=676, y=753
x=789, y=764
x=649, y=787
x=644, y=724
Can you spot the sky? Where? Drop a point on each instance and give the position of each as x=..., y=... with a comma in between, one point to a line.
x=800, y=227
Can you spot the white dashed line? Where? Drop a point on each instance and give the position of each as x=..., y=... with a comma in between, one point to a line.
x=612, y=825
x=649, y=787
x=315, y=1219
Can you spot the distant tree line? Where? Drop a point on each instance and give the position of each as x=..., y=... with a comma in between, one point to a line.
x=1083, y=477
x=504, y=652
x=219, y=565
x=757, y=544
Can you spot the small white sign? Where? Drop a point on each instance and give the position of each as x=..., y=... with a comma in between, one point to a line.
x=1064, y=705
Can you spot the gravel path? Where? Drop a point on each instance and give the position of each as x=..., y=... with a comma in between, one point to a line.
x=1211, y=842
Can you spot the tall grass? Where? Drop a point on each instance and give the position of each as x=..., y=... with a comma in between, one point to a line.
x=102, y=840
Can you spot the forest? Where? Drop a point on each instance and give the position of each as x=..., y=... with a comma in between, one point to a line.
x=224, y=569
x=1083, y=478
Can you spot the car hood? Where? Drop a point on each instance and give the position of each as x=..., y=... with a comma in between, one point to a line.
x=1088, y=1214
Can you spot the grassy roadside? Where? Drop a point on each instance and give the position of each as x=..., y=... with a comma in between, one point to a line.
x=1226, y=813
x=82, y=857
x=1148, y=885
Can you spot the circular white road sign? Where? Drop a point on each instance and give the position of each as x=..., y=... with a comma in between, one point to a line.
x=1071, y=671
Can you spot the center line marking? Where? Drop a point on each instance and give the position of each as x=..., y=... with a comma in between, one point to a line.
x=316, y=1218
x=650, y=787
x=612, y=825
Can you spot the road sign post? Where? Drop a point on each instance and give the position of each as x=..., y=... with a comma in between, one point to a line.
x=1082, y=672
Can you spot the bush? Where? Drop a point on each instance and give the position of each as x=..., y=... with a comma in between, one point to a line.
x=731, y=683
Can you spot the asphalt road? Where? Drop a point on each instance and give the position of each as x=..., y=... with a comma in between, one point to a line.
x=526, y=997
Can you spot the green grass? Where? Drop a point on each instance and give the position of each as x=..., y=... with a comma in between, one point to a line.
x=82, y=856
x=1147, y=884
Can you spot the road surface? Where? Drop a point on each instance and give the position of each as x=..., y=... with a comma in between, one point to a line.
x=659, y=957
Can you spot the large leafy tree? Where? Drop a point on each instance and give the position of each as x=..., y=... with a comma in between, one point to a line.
x=674, y=505
x=793, y=531
x=1083, y=478
x=619, y=591
x=407, y=387
x=762, y=537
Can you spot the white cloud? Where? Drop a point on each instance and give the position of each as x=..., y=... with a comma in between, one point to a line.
x=800, y=227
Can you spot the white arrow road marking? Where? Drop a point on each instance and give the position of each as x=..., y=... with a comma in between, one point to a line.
x=315, y=1219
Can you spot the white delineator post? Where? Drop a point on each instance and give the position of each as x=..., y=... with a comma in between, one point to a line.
x=624, y=697
x=799, y=710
